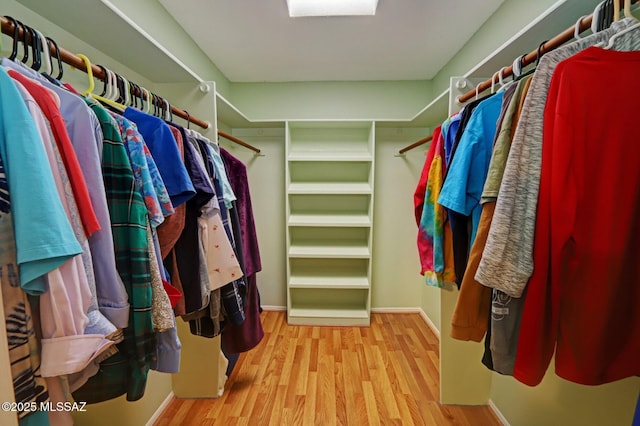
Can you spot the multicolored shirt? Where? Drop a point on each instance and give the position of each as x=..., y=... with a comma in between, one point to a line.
x=148, y=179
x=126, y=371
x=434, y=230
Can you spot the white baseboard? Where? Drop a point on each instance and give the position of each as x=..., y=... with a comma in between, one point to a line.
x=273, y=308
x=395, y=310
x=158, y=413
x=498, y=413
x=422, y=313
x=430, y=323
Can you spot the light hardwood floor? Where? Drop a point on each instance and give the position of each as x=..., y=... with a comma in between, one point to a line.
x=300, y=375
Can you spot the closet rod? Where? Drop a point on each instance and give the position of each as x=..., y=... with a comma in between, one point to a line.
x=531, y=57
x=76, y=62
x=238, y=141
x=415, y=144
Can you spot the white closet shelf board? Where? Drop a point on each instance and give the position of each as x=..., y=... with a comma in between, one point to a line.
x=330, y=252
x=352, y=317
x=329, y=220
x=335, y=282
x=328, y=156
x=92, y=19
x=330, y=188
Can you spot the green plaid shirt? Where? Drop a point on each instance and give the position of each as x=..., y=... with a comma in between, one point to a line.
x=126, y=371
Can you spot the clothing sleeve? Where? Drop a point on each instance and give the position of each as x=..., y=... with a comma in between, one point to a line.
x=463, y=185
x=419, y=194
x=30, y=181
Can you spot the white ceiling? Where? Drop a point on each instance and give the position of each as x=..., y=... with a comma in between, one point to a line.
x=257, y=41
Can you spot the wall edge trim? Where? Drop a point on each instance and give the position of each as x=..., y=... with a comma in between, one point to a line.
x=158, y=413
x=496, y=411
x=273, y=308
x=430, y=323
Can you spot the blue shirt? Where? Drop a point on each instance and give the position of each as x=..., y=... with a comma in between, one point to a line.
x=450, y=137
x=34, y=199
x=462, y=188
x=164, y=149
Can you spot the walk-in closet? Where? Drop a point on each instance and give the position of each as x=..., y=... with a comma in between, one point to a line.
x=319, y=212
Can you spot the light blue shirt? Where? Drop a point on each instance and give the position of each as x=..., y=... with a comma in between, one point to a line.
x=462, y=188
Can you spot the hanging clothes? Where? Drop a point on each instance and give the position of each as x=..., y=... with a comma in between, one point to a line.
x=241, y=338
x=567, y=307
x=126, y=371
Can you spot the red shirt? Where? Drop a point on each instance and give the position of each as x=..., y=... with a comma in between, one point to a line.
x=583, y=299
x=47, y=103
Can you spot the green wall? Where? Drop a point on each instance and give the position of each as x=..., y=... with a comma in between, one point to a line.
x=383, y=100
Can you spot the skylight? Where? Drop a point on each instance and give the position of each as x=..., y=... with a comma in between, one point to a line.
x=299, y=8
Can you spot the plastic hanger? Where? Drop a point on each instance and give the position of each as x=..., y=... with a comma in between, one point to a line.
x=89, y=91
x=16, y=28
x=616, y=10
x=619, y=34
x=60, y=70
x=596, y=17
x=576, y=28
x=45, y=52
x=169, y=111
x=148, y=96
x=189, y=116
x=35, y=48
x=477, y=88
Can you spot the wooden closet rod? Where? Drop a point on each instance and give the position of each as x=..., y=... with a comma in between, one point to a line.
x=415, y=144
x=532, y=56
x=77, y=62
x=238, y=141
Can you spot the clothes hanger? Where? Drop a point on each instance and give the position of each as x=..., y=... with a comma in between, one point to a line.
x=627, y=9
x=189, y=116
x=45, y=52
x=89, y=92
x=37, y=49
x=60, y=70
x=14, y=48
x=619, y=34
x=148, y=96
x=576, y=28
x=104, y=82
x=477, y=93
x=616, y=10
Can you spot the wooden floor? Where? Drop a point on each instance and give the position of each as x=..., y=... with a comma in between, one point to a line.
x=299, y=375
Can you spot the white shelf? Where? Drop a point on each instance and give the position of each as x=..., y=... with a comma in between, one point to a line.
x=329, y=156
x=336, y=283
x=330, y=252
x=330, y=188
x=356, y=313
x=329, y=220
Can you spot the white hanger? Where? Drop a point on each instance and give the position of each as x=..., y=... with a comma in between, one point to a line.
x=617, y=35
x=147, y=107
x=127, y=95
x=516, y=67
x=576, y=29
x=478, y=87
x=596, y=17
x=45, y=51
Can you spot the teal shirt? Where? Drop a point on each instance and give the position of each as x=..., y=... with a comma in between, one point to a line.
x=34, y=199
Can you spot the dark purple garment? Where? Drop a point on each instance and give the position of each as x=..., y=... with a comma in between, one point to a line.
x=236, y=339
x=237, y=174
